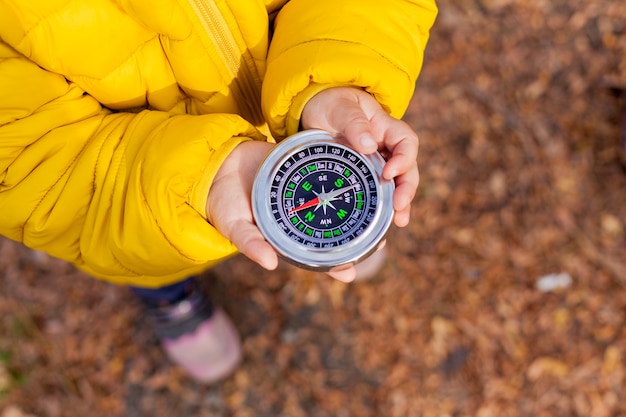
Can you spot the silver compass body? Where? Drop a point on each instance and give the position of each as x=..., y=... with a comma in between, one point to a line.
x=320, y=203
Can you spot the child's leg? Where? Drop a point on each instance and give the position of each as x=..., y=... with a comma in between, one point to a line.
x=195, y=335
x=156, y=297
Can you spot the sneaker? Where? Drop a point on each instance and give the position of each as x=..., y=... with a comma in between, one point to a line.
x=198, y=337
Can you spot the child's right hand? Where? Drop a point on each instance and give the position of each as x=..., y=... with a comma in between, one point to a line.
x=229, y=207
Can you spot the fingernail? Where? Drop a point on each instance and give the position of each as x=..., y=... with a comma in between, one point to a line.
x=367, y=141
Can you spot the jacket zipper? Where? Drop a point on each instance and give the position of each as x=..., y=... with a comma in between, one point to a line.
x=245, y=86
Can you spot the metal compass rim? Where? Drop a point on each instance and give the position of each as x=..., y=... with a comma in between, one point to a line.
x=320, y=258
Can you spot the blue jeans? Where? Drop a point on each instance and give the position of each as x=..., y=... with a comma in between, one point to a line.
x=169, y=294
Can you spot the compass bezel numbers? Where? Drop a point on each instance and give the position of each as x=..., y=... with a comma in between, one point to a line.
x=342, y=168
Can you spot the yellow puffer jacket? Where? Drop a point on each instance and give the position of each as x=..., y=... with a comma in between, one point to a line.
x=115, y=115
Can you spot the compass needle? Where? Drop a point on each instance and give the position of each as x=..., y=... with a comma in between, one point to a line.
x=306, y=205
x=356, y=211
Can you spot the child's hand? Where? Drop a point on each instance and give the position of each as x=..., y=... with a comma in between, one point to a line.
x=362, y=121
x=228, y=206
x=349, y=111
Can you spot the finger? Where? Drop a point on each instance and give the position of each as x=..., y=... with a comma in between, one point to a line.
x=346, y=111
x=403, y=196
x=403, y=155
x=343, y=273
x=406, y=188
x=351, y=121
x=249, y=241
x=259, y=251
x=401, y=218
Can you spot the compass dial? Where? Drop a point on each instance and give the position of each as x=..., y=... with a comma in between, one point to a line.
x=320, y=203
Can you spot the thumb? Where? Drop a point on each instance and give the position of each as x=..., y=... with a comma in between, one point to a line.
x=345, y=111
x=351, y=121
x=250, y=242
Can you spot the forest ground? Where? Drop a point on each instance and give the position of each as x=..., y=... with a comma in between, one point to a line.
x=518, y=109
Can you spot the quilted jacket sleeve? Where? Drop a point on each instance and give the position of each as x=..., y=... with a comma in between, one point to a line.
x=120, y=195
x=370, y=44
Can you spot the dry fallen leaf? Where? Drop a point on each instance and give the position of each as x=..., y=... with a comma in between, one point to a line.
x=518, y=109
x=14, y=411
x=546, y=366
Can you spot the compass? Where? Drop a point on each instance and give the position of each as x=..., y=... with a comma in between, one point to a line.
x=320, y=203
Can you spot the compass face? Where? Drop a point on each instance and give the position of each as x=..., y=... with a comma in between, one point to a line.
x=320, y=203
x=323, y=196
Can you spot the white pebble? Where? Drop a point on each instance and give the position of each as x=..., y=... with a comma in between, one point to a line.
x=553, y=282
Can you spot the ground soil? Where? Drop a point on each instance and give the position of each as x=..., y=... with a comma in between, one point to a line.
x=518, y=109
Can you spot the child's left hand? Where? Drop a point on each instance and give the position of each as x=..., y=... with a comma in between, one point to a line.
x=367, y=127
